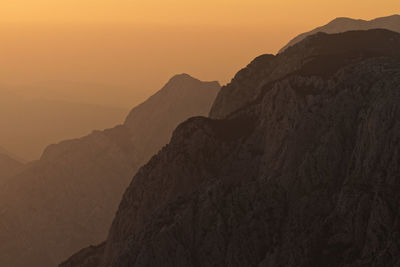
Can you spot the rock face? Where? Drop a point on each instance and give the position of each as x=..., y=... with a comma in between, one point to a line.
x=305, y=173
x=347, y=24
x=68, y=198
x=316, y=55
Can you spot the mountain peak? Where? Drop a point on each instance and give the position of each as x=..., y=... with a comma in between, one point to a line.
x=343, y=19
x=185, y=79
x=182, y=78
x=343, y=24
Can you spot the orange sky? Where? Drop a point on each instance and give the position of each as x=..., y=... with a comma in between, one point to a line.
x=210, y=12
x=133, y=47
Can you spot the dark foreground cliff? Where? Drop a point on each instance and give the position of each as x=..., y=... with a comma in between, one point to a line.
x=305, y=172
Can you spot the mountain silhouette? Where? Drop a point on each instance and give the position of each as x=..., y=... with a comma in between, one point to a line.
x=29, y=124
x=339, y=25
x=297, y=166
x=11, y=155
x=8, y=167
x=68, y=198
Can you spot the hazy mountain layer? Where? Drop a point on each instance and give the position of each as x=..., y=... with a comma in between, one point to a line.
x=347, y=24
x=10, y=154
x=305, y=173
x=8, y=167
x=68, y=198
x=28, y=125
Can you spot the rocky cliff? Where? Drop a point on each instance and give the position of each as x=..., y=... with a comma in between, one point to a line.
x=301, y=170
x=339, y=25
x=68, y=198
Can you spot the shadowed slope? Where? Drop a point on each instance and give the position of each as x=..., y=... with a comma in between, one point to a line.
x=304, y=174
x=319, y=54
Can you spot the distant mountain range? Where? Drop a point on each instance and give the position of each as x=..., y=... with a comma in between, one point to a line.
x=293, y=163
x=68, y=198
x=347, y=24
x=8, y=167
x=297, y=165
x=29, y=124
x=10, y=154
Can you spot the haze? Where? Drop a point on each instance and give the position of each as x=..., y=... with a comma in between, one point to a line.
x=70, y=67
x=124, y=141
x=119, y=52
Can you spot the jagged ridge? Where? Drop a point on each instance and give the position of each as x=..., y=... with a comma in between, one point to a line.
x=304, y=175
x=339, y=25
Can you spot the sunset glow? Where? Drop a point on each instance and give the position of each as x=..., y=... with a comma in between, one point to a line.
x=117, y=43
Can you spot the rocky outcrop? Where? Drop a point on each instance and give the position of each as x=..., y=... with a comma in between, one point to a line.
x=67, y=199
x=316, y=55
x=339, y=25
x=305, y=173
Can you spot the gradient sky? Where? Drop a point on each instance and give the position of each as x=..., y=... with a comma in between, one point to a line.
x=131, y=48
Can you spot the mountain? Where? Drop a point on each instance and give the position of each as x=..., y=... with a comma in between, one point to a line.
x=10, y=155
x=68, y=198
x=29, y=124
x=298, y=165
x=8, y=167
x=339, y=25
x=154, y=120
